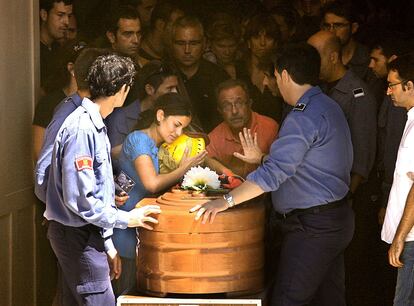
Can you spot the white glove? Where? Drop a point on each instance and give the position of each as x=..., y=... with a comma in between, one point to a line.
x=139, y=216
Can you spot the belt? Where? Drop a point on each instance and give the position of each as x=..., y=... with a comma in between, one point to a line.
x=312, y=210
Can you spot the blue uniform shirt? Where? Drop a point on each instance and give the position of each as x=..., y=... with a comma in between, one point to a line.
x=79, y=192
x=62, y=111
x=310, y=162
x=121, y=122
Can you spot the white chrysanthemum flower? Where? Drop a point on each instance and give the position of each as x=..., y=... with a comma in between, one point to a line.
x=200, y=178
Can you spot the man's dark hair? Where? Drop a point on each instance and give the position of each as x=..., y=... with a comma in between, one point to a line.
x=262, y=23
x=83, y=62
x=231, y=83
x=391, y=43
x=342, y=9
x=187, y=22
x=108, y=74
x=47, y=5
x=153, y=73
x=123, y=11
x=162, y=10
x=302, y=62
x=404, y=65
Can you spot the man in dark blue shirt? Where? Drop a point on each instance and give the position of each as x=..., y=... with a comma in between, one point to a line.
x=308, y=174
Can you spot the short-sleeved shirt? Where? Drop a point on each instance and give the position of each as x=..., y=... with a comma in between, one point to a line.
x=80, y=189
x=402, y=182
x=200, y=88
x=46, y=107
x=309, y=163
x=360, y=109
x=136, y=144
x=223, y=143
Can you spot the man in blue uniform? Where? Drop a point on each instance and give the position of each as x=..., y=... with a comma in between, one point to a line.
x=79, y=191
x=308, y=172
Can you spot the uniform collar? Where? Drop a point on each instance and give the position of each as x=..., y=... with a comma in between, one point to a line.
x=93, y=111
x=308, y=95
x=346, y=82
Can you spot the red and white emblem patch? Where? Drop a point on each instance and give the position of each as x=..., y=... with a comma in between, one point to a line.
x=84, y=162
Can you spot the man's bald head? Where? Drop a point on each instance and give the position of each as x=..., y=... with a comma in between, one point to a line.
x=329, y=48
x=325, y=42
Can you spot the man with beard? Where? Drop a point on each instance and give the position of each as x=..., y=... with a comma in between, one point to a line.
x=399, y=219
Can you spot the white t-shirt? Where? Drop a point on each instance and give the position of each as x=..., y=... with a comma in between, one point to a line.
x=403, y=180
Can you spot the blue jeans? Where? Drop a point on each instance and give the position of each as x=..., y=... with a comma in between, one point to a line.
x=404, y=291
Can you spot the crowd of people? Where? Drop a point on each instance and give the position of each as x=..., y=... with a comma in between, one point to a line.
x=308, y=101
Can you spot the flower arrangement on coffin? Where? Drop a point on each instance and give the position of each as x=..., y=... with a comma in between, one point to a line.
x=200, y=179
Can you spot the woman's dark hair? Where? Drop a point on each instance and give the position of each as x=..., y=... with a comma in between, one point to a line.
x=173, y=104
x=60, y=76
x=108, y=74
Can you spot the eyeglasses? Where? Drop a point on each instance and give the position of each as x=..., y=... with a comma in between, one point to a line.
x=228, y=106
x=335, y=26
x=391, y=85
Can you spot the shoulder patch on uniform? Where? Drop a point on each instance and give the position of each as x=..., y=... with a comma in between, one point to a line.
x=300, y=107
x=358, y=92
x=83, y=162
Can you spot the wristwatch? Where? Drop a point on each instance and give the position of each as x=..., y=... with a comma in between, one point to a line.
x=229, y=199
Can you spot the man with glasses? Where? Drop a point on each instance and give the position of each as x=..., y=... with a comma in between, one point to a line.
x=399, y=219
x=391, y=119
x=338, y=18
x=234, y=105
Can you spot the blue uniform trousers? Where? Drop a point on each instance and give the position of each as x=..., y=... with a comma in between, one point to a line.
x=82, y=258
x=311, y=265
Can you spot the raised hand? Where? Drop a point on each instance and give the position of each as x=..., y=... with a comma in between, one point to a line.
x=251, y=151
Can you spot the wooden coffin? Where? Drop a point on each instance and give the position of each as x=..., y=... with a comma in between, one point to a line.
x=182, y=255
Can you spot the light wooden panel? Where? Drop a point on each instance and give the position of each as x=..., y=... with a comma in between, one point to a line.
x=18, y=78
x=6, y=260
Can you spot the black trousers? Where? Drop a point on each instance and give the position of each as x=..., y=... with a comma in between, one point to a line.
x=311, y=265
